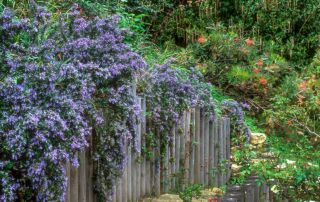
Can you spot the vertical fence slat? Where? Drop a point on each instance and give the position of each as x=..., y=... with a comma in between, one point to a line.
x=82, y=177
x=89, y=173
x=187, y=147
x=211, y=152
x=69, y=185
x=129, y=173
x=197, y=147
x=216, y=152
x=143, y=144
x=157, y=167
x=138, y=164
x=125, y=178
x=221, y=148
x=74, y=185
x=206, y=150
x=202, y=163
x=182, y=148
x=192, y=147
x=172, y=159
x=228, y=147
x=177, y=153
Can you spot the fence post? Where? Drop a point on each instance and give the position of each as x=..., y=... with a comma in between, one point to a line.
x=202, y=146
x=74, y=184
x=216, y=152
x=82, y=177
x=187, y=147
x=192, y=147
x=197, y=147
x=211, y=152
x=206, y=150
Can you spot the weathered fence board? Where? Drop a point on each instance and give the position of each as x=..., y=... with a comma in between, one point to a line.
x=197, y=148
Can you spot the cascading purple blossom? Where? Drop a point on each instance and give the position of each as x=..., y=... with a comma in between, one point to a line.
x=54, y=88
x=169, y=92
x=234, y=110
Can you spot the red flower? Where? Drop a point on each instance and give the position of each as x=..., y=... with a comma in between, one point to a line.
x=249, y=42
x=202, y=39
x=256, y=70
x=263, y=81
x=259, y=63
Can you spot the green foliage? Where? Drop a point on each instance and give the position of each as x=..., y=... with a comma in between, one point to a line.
x=295, y=169
x=190, y=191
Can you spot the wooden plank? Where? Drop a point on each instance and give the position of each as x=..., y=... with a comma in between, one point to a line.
x=202, y=145
x=133, y=175
x=138, y=164
x=216, y=152
x=225, y=150
x=192, y=147
x=74, y=184
x=114, y=194
x=165, y=179
x=68, y=182
x=206, y=150
x=177, y=153
x=221, y=147
x=197, y=147
x=182, y=148
x=129, y=164
x=228, y=152
x=169, y=183
x=172, y=158
x=82, y=177
x=143, y=144
x=157, y=167
x=211, y=152
x=89, y=172
x=187, y=147
x=125, y=176
x=119, y=191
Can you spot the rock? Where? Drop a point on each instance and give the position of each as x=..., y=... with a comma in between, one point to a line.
x=257, y=138
x=235, y=168
x=268, y=155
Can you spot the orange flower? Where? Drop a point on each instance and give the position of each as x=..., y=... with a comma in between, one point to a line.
x=290, y=122
x=256, y=70
x=249, y=42
x=263, y=81
x=202, y=39
x=303, y=86
x=259, y=63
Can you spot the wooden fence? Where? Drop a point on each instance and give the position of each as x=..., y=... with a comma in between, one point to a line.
x=200, y=154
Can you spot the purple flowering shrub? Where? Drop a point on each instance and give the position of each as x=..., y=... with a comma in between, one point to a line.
x=57, y=82
x=234, y=110
x=169, y=92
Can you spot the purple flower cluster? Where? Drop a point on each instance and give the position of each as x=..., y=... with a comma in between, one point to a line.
x=169, y=92
x=234, y=110
x=53, y=90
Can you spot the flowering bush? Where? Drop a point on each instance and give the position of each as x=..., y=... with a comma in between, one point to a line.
x=234, y=110
x=169, y=92
x=55, y=80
